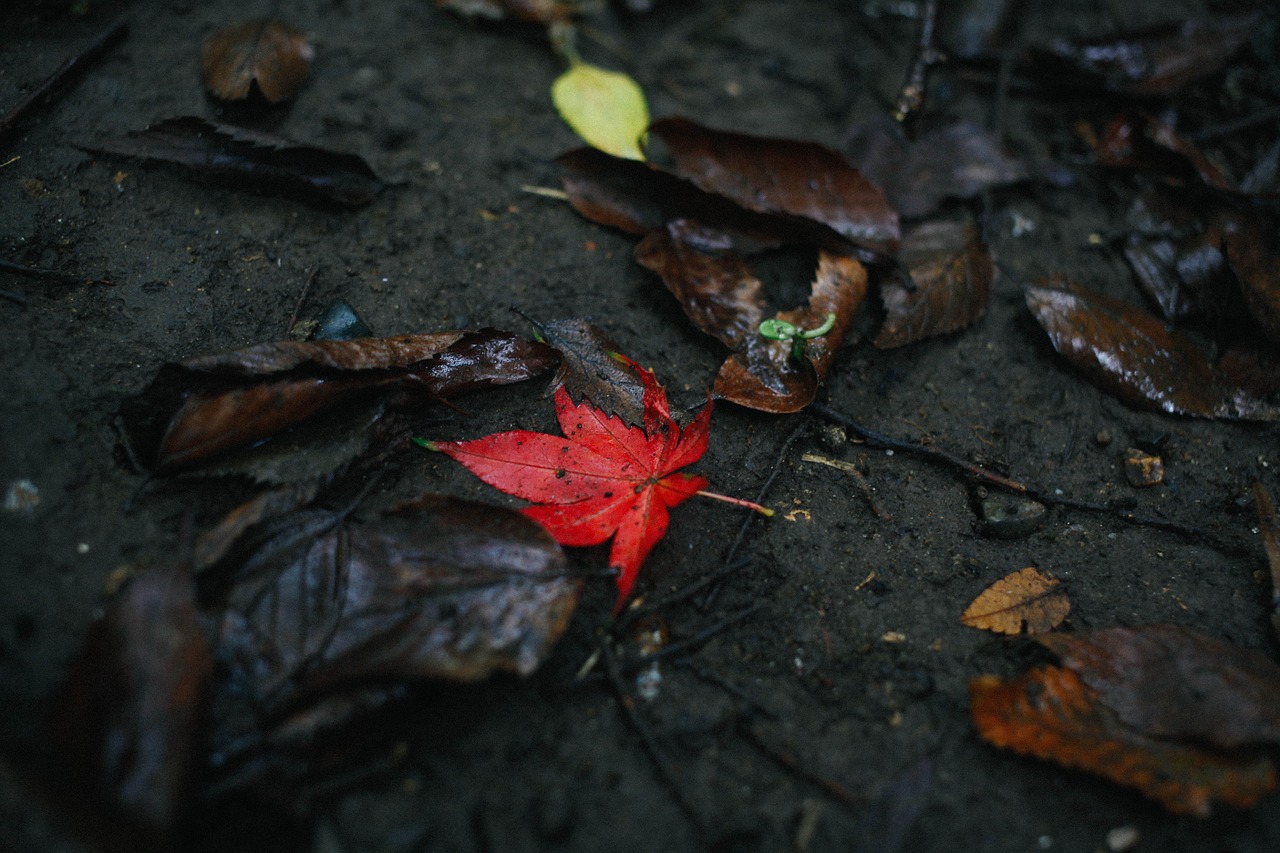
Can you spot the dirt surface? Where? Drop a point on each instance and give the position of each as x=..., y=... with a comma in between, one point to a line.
x=854, y=666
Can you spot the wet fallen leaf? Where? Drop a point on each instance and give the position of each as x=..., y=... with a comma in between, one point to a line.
x=589, y=369
x=1051, y=714
x=254, y=160
x=204, y=406
x=782, y=176
x=1147, y=144
x=952, y=161
x=1131, y=354
x=263, y=52
x=128, y=717
x=606, y=108
x=533, y=11
x=1157, y=61
x=1269, y=527
x=604, y=478
x=435, y=588
x=951, y=269
x=1025, y=602
x=1255, y=258
x=723, y=298
x=1174, y=682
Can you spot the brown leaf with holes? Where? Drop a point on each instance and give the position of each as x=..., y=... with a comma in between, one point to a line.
x=1174, y=682
x=1051, y=714
x=1131, y=354
x=264, y=52
x=951, y=270
x=722, y=297
x=1025, y=602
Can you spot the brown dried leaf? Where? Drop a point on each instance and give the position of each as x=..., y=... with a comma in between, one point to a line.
x=266, y=52
x=721, y=296
x=207, y=405
x=1172, y=682
x=953, y=161
x=1130, y=353
x=1254, y=253
x=128, y=717
x=772, y=175
x=1024, y=602
x=437, y=588
x=952, y=271
x=589, y=370
x=1051, y=714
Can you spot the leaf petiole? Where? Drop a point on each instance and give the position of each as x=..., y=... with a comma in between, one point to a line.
x=751, y=505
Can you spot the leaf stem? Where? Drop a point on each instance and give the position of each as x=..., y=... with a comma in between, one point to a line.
x=751, y=505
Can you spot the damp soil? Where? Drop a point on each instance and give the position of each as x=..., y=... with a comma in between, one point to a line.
x=781, y=729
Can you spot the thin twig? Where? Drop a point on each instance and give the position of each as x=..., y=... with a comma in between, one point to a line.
x=788, y=762
x=15, y=268
x=45, y=93
x=681, y=646
x=13, y=297
x=911, y=98
x=297, y=306
x=1212, y=132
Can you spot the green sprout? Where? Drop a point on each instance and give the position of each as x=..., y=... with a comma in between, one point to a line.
x=781, y=330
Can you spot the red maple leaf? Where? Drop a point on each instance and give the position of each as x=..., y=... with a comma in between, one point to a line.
x=604, y=478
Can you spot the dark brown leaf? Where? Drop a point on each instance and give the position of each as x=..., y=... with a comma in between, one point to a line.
x=266, y=52
x=1050, y=713
x=1147, y=144
x=1158, y=61
x=130, y=713
x=438, y=588
x=721, y=296
x=1269, y=527
x=253, y=160
x=782, y=176
x=952, y=271
x=1254, y=253
x=532, y=11
x=589, y=369
x=207, y=405
x=1130, y=353
x=953, y=161
x=1173, y=682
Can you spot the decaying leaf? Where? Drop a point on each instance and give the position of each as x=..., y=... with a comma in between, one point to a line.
x=589, y=369
x=1131, y=354
x=129, y=715
x=254, y=160
x=952, y=161
x=1254, y=254
x=782, y=176
x=723, y=298
x=606, y=108
x=435, y=588
x=1269, y=527
x=1174, y=682
x=951, y=269
x=1025, y=602
x=263, y=52
x=1051, y=714
x=604, y=478
x=1148, y=144
x=203, y=406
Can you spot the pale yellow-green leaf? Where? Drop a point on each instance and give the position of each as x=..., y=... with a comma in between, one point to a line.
x=606, y=108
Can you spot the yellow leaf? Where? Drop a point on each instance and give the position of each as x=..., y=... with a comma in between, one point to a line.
x=606, y=108
x=1026, y=601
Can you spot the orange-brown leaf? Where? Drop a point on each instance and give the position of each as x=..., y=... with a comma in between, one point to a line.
x=269, y=53
x=1024, y=602
x=1051, y=714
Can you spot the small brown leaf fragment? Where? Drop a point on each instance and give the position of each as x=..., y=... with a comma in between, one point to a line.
x=1024, y=602
x=589, y=370
x=1143, y=469
x=1051, y=714
x=952, y=270
x=774, y=175
x=1130, y=353
x=266, y=52
x=1174, y=682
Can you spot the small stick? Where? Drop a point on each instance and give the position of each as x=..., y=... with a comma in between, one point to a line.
x=789, y=763
x=45, y=93
x=852, y=470
x=16, y=268
x=13, y=297
x=911, y=98
x=297, y=306
x=681, y=646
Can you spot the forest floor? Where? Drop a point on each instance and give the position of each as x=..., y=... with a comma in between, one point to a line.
x=780, y=730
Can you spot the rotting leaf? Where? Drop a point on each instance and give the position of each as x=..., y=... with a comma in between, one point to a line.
x=589, y=369
x=604, y=478
x=1254, y=256
x=1130, y=353
x=263, y=52
x=957, y=160
x=782, y=176
x=253, y=160
x=203, y=406
x=606, y=108
x=1148, y=144
x=127, y=719
x=721, y=296
x=1174, y=682
x=952, y=271
x=1051, y=714
x=1024, y=602
x=435, y=588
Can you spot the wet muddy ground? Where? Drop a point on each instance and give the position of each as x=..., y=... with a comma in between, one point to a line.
x=781, y=729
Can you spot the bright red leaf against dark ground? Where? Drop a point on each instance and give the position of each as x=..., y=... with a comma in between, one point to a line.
x=604, y=478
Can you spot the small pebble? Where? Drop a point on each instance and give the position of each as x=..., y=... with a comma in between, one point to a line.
x=1122, y=838
x=1008, y=517
x=1103, y=437
x=1142, y=469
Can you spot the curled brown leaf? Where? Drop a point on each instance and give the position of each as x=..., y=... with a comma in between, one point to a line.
x=263, y=52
